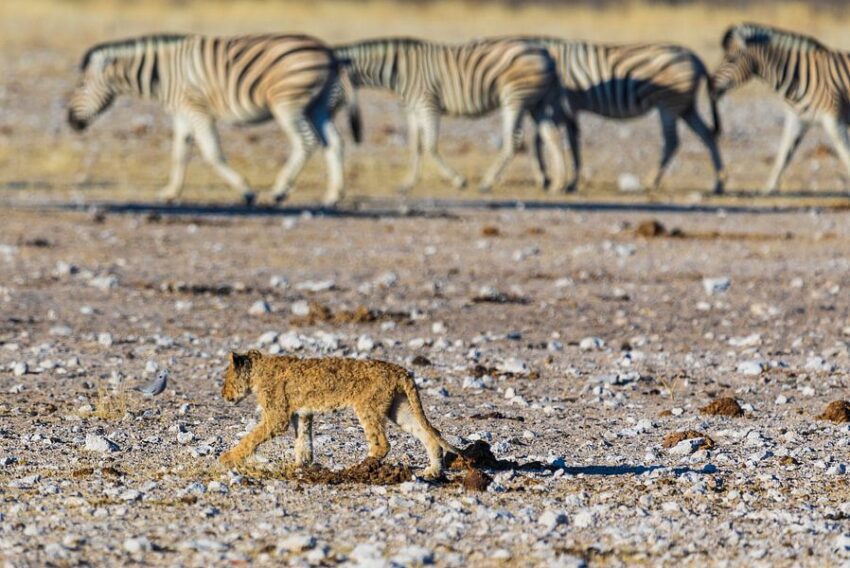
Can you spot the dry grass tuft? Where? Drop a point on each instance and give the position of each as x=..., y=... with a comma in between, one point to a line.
x=110, y=405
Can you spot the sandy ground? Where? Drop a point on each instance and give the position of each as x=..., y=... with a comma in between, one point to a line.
x=568, y=333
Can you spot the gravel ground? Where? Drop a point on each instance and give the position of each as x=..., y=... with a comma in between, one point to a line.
x=573, y=342
x=652, y=371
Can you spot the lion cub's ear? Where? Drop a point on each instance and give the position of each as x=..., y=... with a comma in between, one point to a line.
x=240, y=362
x=254, y=354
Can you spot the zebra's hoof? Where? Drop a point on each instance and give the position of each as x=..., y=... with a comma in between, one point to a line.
x=719, y=188
x=279, y=198
x=572, y=187
x=249, y=198
x=459, y=183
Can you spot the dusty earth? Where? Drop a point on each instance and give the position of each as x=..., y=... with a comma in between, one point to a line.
x=558, y=336
x=659, y=376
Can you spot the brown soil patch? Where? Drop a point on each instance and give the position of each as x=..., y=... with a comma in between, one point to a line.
x=479, y=455
x=674, y=438
x=368, y=472
x=421, y=361
x=500, y=298
x=476, y=480
x=490, y=231
x=788, y=460
x=651, y=228
x=320, y=313
x=836, y=411
x=496, y=415
x=725, y=406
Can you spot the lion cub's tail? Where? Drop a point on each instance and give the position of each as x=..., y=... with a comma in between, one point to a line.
x=412, y=394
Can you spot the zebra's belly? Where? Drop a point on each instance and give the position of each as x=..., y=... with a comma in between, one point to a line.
x=245, y=116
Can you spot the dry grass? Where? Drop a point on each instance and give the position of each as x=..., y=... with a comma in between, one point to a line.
x=110, y=404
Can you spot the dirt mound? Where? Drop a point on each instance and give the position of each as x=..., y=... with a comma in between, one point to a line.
x=725, y=406
x=490, y=231
x=320, y=313
x=367, y=472
x=421, y=361
x=479, y=455
x=654, y=228
x=496, y=415
x=836, y=411
x=476, y=480
x=670, y=440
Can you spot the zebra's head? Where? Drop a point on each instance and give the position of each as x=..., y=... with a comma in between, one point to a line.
x=739, y=63
x=101, y=80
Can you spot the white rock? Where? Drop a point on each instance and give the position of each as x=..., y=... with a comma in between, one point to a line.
x=438, y=328
x=104, y=282
x=842, y=545
x=130, y=495
x=60, y=330
x=716, y=285
x=751, y=367
x=551, y=519
x=512, y=365
x=279, y=282
x=290, y=341
x=687, y=447
x=105, y=339
x=367, y=553
x=259, y=308
x=628, y=183
x=837, y=469
x=316, y=285
x=300, y=308
x=413, y=555
x=185, y=437
x=365, y=343
x=591, y=344
x=267, y=338
x=101, y=444
x=748, y=341
x=297, y=543
x=20, y=369
x=584, y=519
x=387, y=279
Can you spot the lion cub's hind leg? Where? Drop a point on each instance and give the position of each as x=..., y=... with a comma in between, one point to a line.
x=402, y=415
x=374, y=426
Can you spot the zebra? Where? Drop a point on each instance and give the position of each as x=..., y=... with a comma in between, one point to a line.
x=242, y=80
x=626, y=81
x=468, y=79
x=813, y=79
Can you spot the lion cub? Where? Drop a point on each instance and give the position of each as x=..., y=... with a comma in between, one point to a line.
x=290, y=389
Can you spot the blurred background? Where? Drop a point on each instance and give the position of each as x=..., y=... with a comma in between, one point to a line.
x=126, y=153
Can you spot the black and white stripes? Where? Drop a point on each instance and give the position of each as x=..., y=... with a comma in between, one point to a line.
x=247, y=79
x=629, y=80
x=469, y=79
x=813, y=80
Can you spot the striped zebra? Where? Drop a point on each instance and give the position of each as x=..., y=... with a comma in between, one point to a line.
x=243, y=80
x=813, y=79
x=469, y=79
x=627, y=81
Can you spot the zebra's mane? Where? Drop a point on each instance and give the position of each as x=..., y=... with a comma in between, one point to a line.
x=402, y=41
x=128, y=45
x=759, y=34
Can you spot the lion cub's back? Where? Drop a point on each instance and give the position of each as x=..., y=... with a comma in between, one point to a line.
x=342, y=376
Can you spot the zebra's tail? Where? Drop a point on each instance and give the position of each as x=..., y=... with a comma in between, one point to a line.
x=712, y=97
x=354, y=118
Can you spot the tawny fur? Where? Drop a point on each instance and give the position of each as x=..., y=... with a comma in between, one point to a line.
x=290, y=389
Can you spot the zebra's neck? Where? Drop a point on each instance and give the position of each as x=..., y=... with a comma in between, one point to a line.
x=782, y=61
x=140, y=67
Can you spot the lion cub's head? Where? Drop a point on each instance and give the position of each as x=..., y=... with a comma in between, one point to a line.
x=237, y=377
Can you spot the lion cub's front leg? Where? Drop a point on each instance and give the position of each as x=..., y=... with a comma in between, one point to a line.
x=303, y=426
x=268, y=427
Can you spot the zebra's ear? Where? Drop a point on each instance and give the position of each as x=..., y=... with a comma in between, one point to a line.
x=732, y=40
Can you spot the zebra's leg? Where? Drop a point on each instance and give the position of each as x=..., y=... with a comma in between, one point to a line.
x=179, y=159
x=693, y=120
x=333, y=157
x=837, y=132
x=430, y=123
x=573, y=136
x=549, y=134
x=671, y=145
x=210, y=146
x=511, y=116
x=541, y=177
x=414, y=141
x=792, y=135
x=303, y=138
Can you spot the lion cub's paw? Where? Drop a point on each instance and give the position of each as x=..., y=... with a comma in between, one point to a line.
x=229, y=458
